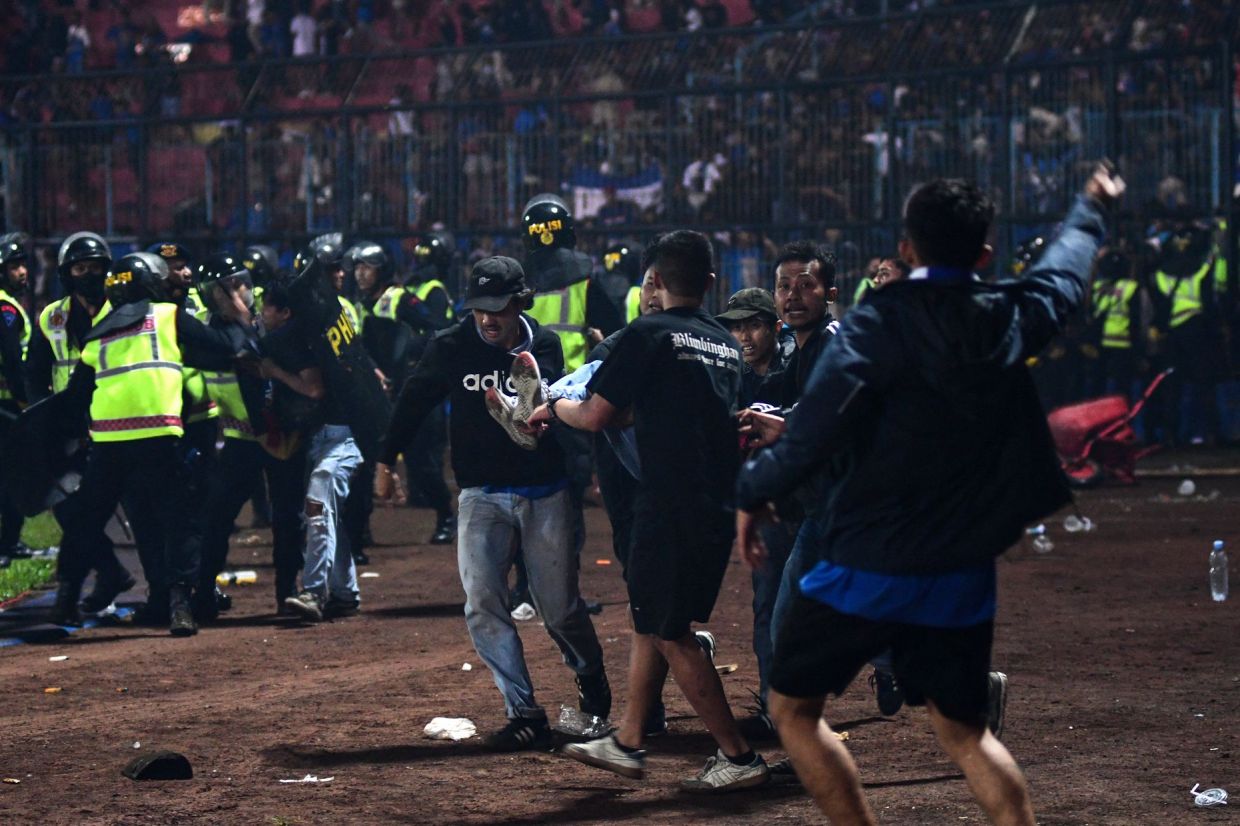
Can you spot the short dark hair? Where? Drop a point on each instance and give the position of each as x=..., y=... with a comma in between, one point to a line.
x=947, y=221
x=278, y=295
x=684, y=260
x=808, y=252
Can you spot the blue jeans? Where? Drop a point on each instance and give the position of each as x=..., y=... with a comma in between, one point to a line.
x=332, y=458
x=487, y=524
x=767, y=580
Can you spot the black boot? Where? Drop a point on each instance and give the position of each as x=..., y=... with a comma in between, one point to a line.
x=66, y=611
x=109, y=584
x=182, y=624
x=445, y=530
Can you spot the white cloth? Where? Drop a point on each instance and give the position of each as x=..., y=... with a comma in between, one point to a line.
x=303, y=28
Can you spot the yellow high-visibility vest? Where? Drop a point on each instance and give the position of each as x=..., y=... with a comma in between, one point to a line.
x=54, y=322
x=632, y=304
x=138, y=379
x=1113, y=304
x=5, y=391
x=564, y=313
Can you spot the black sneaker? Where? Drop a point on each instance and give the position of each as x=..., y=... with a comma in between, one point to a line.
x=521, y=734
x=758, y=725
x=656, y=721
x=890, y=696
x=152, y=614
x=996, y=702
x=782, y=773
x=594, y=695
x=337, y=608
x=445, y=531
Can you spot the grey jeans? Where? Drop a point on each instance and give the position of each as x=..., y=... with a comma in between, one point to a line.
x=487, y=525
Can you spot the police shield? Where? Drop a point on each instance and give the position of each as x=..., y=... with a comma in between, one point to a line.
x=348, y=370
x=39, y=461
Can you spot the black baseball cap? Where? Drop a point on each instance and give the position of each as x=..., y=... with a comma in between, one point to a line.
x=493, y=282
x=748, y=303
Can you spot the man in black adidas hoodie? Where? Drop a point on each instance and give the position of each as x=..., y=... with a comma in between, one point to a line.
x=505, y=491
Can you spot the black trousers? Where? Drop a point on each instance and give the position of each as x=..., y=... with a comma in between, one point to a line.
x=11, y=518
x=146, y=474
x=236, y=472
x=424, y=463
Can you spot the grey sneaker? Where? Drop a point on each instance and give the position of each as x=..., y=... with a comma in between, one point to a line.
x=604, y=753
x=782, y=773
x=307, y=606
x=722, y=775
x=501, y=406
x=996, y=702
x=528, y=384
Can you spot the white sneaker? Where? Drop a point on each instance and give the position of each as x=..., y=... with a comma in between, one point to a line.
x=722, y=775
x=528, y=383
x=500, y=406
x=604, y=753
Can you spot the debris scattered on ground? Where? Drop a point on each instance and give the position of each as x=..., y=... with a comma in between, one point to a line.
x=450, y=728
x=602, y=562
x=467, y=667
x=52, y=689
x=524, y=612
x=311, y=778
x=727, y=668
x=58, y=658
x=369, y=575
x=1208, y=797
x=577, y=723
x=11, y=780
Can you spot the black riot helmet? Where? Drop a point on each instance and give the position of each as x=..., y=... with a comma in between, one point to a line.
x=372, y=255
x=548, y=223
x=137, y=276
x=1027, y=254
x=12, y=248
x=1114, y=264
x=220, y=271
x=624, y=258
x=262, y=262
x=327, y=249
x=434, y=253
x=77, y=248
x=1186, y=248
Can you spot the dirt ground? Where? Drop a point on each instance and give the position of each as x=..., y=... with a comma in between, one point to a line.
x=1125, y=682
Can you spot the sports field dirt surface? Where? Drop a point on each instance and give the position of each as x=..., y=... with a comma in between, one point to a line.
x=1125, y=691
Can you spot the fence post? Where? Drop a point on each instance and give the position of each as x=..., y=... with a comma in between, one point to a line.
x=1005, y=158
x=1229, y=167
x=243, y=129
x=144, y=182
x=32, y=188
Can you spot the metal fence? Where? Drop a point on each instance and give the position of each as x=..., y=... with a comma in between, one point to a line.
x=756, y=136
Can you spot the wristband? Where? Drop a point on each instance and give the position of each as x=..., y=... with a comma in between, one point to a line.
x=551, y=409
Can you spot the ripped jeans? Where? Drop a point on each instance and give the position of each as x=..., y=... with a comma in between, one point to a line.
x=332, y=457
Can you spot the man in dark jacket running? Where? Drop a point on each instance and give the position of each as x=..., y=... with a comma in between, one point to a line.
x=943, y=455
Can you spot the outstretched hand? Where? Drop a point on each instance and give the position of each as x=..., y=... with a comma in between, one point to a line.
x=759, y=429
x=1105, y=186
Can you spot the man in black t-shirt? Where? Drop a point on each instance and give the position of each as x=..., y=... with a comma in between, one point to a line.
x=329, y=576
x=677, y=375
x=506, y=492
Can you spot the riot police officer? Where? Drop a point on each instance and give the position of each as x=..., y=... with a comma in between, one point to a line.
x=131, y=379
x=253, y=446
x=623, y=276
x=15, y=333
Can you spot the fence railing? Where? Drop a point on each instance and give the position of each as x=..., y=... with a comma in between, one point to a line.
x=757, y=136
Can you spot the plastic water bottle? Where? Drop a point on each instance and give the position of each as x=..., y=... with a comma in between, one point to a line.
x=1218, y=572
x=1041, y=542
x=236, y=578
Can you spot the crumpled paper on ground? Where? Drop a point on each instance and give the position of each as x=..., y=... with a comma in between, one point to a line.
x=450, y=728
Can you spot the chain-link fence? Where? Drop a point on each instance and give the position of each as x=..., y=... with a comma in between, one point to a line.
x=757, y=136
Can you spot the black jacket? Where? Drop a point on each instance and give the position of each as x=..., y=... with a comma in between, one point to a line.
x=925, y=397
x=459, y=366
